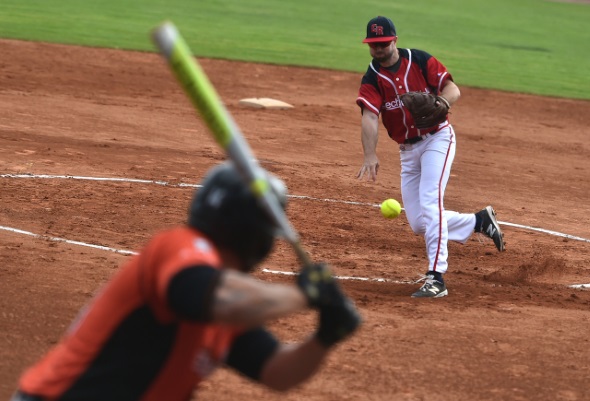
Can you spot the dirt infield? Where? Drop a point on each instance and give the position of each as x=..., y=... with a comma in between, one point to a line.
x=511, y=328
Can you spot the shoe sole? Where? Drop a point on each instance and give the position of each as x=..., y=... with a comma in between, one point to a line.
x=492, y=214
x=439, y=295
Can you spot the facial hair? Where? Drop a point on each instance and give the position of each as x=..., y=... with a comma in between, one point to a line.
x=384, y=54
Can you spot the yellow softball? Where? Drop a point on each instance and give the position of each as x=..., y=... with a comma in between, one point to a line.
x=390, y=208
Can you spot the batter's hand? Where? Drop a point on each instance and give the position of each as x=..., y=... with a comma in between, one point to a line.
x=317, y=283
x=337, y=322
x=338, y=316
x=370, y=168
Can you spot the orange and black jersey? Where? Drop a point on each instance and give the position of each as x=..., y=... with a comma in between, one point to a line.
x=148, y=334
x=415, y=70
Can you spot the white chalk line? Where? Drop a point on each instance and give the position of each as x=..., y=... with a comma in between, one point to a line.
x=165, y=183
x=379, y=280
x=542, y=230
x=112, y=179
x=169, y=184
x=67, y=241
x=127, y=252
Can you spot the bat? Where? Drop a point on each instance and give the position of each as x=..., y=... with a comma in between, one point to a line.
x=228, y=135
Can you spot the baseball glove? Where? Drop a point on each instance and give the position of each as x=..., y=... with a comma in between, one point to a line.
x=426, y=109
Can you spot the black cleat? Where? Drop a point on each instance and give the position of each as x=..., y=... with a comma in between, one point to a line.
x=490, y=227
x=431, y=288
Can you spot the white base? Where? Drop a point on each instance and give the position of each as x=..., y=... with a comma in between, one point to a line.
x=265, y=103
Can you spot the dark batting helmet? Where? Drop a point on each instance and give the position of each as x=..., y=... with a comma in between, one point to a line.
x=228, y=213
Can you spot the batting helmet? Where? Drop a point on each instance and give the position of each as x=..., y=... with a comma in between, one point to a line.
x=228, y=213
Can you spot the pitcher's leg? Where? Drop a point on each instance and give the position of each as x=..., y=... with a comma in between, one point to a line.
x=410, y=187
x=460, y=226
x=436, y=168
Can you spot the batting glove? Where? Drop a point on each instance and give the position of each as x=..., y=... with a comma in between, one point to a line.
x=337, y=322
x=318, y=285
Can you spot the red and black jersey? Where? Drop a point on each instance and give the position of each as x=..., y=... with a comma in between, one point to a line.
x=381, y=87
x=137, y=341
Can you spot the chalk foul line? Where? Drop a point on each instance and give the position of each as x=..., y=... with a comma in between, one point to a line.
x=288, y=273
x=127, y=252
x=169, y=184
x=67, y=241
x=166, y=183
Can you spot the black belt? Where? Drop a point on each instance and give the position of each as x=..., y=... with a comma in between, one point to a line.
x=417, y=139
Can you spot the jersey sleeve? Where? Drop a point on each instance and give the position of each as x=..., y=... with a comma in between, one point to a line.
x=250, y=351
x=179, y=261
x=369, y=96
x=189, y=253
x=435, y=73
x=191, y=292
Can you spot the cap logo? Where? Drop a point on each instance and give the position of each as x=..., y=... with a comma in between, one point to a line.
x=216, y=197
x=377, y=30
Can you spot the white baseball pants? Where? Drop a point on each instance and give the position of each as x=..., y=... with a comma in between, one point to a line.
x=425, y=171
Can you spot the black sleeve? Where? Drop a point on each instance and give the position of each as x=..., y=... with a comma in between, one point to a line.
x=421, y=58
x=250, y=351
x=191, y=292
x=370, y=77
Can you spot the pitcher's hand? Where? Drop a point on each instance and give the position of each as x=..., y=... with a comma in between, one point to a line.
x=370, y=168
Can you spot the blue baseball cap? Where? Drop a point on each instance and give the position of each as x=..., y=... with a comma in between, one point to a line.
x=380, y=29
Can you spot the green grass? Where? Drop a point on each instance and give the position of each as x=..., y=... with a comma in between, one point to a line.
x=531, y=46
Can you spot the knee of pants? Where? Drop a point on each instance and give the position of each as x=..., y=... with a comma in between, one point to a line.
x=418, y=227
x=416, y=221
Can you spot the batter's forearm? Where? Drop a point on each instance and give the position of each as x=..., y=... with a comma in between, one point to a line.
x=241, y=299
x=293, y=364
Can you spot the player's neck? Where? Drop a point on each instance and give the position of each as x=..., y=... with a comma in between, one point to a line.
x=392, y=60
